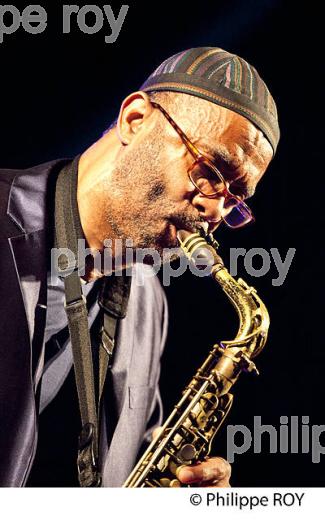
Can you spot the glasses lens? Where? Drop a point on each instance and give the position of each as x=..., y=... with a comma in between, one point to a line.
x=239, y=216
x=205, y=178
x=209, y=183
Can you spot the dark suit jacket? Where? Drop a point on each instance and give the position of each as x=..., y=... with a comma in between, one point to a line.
x=26, y=230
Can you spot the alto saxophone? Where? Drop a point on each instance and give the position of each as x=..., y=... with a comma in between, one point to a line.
x=187, y=434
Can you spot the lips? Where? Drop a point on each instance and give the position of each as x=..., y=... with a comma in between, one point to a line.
x=207, y=226
x=180, y=224
x=213, y=225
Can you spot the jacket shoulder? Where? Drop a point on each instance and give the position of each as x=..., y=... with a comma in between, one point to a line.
x=23, y=196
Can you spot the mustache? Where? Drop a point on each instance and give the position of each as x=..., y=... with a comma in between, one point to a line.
x=183, y=220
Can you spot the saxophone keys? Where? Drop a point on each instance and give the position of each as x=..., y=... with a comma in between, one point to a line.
x=166, y=482
x=248, y=365
x=187, y=452
x=175, y=483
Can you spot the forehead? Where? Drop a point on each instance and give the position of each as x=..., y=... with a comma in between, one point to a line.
x=236, y=146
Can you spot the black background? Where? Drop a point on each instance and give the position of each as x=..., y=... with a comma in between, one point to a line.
x=59, y=92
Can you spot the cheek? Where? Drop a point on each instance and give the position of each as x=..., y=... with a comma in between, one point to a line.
x=156, y=191
x=177, y=180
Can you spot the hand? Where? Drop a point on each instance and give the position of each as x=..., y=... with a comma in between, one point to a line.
x=213, y=472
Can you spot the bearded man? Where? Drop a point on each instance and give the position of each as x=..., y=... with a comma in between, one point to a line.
x=187, y=149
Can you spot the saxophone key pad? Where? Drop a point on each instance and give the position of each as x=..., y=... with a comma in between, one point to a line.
x=187, y=452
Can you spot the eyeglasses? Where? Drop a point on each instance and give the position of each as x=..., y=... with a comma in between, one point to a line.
x=209, y=181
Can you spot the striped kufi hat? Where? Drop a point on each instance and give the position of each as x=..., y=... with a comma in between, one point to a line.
x=223, y=78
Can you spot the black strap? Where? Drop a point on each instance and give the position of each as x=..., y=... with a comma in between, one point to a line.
x=68, y=231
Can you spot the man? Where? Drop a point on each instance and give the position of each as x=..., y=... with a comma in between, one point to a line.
x=186, y=149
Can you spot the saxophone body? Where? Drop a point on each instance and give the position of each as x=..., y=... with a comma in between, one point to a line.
x=187, y=434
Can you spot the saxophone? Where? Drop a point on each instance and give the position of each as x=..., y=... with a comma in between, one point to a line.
x=187, y=434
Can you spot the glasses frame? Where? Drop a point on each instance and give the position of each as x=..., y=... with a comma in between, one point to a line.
x=200, y=157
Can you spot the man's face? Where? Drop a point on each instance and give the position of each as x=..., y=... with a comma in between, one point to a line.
x=151, y=195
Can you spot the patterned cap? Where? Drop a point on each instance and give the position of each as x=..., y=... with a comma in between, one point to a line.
x=225, y=79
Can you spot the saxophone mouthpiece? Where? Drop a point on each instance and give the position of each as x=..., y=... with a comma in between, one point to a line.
x=182, y=235
x=199, y=248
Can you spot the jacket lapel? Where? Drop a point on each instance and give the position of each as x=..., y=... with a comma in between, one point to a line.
x=30, y=208
x=30, y=262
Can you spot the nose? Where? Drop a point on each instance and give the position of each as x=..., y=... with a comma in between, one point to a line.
x=212, y=210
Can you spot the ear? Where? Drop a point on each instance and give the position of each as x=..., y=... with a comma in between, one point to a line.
x=134, y=112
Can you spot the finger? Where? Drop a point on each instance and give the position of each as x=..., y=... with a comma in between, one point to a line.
x=215, y=470
x=156, y=432
x=216, y=483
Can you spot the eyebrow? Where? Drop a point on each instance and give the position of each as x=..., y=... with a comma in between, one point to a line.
x=223, y=157
x=247, y=192
x=220, y=156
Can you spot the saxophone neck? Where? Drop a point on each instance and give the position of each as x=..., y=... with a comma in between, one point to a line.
x=252, y=313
